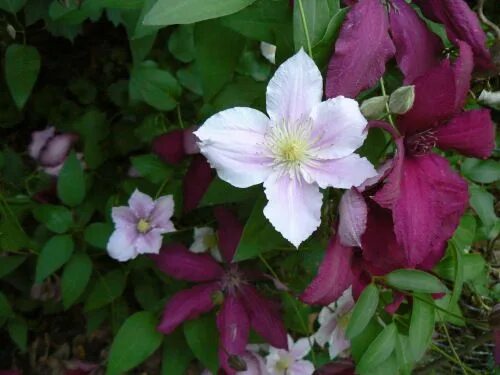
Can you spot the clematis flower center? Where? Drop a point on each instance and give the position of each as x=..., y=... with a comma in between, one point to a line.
x=232, y=279
x=289, y=142
x=284, y=363
x=143, y=226
x=343, y=321
x=421, y=143
x=210, y=240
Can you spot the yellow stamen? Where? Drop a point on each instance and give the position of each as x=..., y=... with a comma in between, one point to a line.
x=143, y=226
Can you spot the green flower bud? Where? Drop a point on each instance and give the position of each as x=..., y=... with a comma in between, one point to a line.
x=402, y=99
x=374, y=108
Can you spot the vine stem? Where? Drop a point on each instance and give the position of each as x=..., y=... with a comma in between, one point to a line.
x=384, y=93
x=304, y=326
x=306, y=30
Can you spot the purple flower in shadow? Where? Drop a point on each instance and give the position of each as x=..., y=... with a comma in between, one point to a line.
x=227, y=285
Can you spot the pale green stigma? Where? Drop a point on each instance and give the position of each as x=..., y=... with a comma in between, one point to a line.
x=143, y=226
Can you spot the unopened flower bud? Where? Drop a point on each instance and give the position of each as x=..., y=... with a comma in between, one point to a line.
x=217, y=298
x=11, y=31
x=374, y=108
x=237, y=363
x=402, y=99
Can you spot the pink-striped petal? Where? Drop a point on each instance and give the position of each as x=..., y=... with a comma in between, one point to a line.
x=352, y=221
x=471, y=133
x=187, y=304
x=361, y=51
x=417, y=48
x=141, y=204
x=334, y=275
x=228, y=233
x=56, y=149
x=124, y=217
x=38, y=141
x=234, y=328
x=177, y=261
x=296, y=87
x=264, y=317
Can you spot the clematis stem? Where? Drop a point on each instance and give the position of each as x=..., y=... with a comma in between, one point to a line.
x=382, y=86
x=306, y=30
x=292, y=301
x=457, y=358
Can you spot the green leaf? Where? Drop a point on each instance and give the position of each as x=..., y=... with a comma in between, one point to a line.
x=22, y=65
x=75, y=278
x=473, y=266
x=152, y=168
x=54, y=254
x=181, y=43
x=465, y=233
x=484, y=204
x=176, y=354
x=220, y=192
x=56, y=218
x=216, y=61
x=18, y=332
x=363, y=311
x=71, y=182
x=5, y=308
x=482, y=171
x=317, y=15
x=171, y=12
x=404, y=356
x=122, y=4
x=106, y=290
x=416, y=281
x=258, y=234
x=421, y=325
x=154, y=86
x=97, y=234
x=202, y=337
x=9, y=263
x=136, y=340
x=379, y=350
x=12, y=6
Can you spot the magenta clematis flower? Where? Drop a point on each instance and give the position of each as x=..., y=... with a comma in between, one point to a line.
x=140, y=226
x=461, y=24
x=241, y=306
x=371, y=36
x=175, y=146
x=303, y=145
x=50, y=149
x=403, y=218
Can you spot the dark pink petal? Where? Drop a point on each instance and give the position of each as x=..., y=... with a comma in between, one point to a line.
x=234, y=327
x=389, y=192
x=228, y=233
x=339, y=367
x=170, y=146
x=177, y=261
x=434, y=100
x=361, y=51
x=462, y=68
x=432, y=199
x=352, y=221
x=417, y=48
x=264, y=317
x=190, y=141
x=187, y=304
x=361, y=276
x=196, y=181
x=381, y=251
x=56, y=149
x=397, y=300
x=471, y=133
x=461, y=23
x=334, y=275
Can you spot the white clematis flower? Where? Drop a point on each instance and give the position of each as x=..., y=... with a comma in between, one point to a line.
x=205, y=240
x=303, y=145
x=333, y=322
x=291, y=361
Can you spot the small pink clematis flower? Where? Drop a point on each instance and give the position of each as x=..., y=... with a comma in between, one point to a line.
x=50, y=149
x=303, y=145
x=227, y=285
x=290, y=362
x=140, y=226
x=333, y=321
